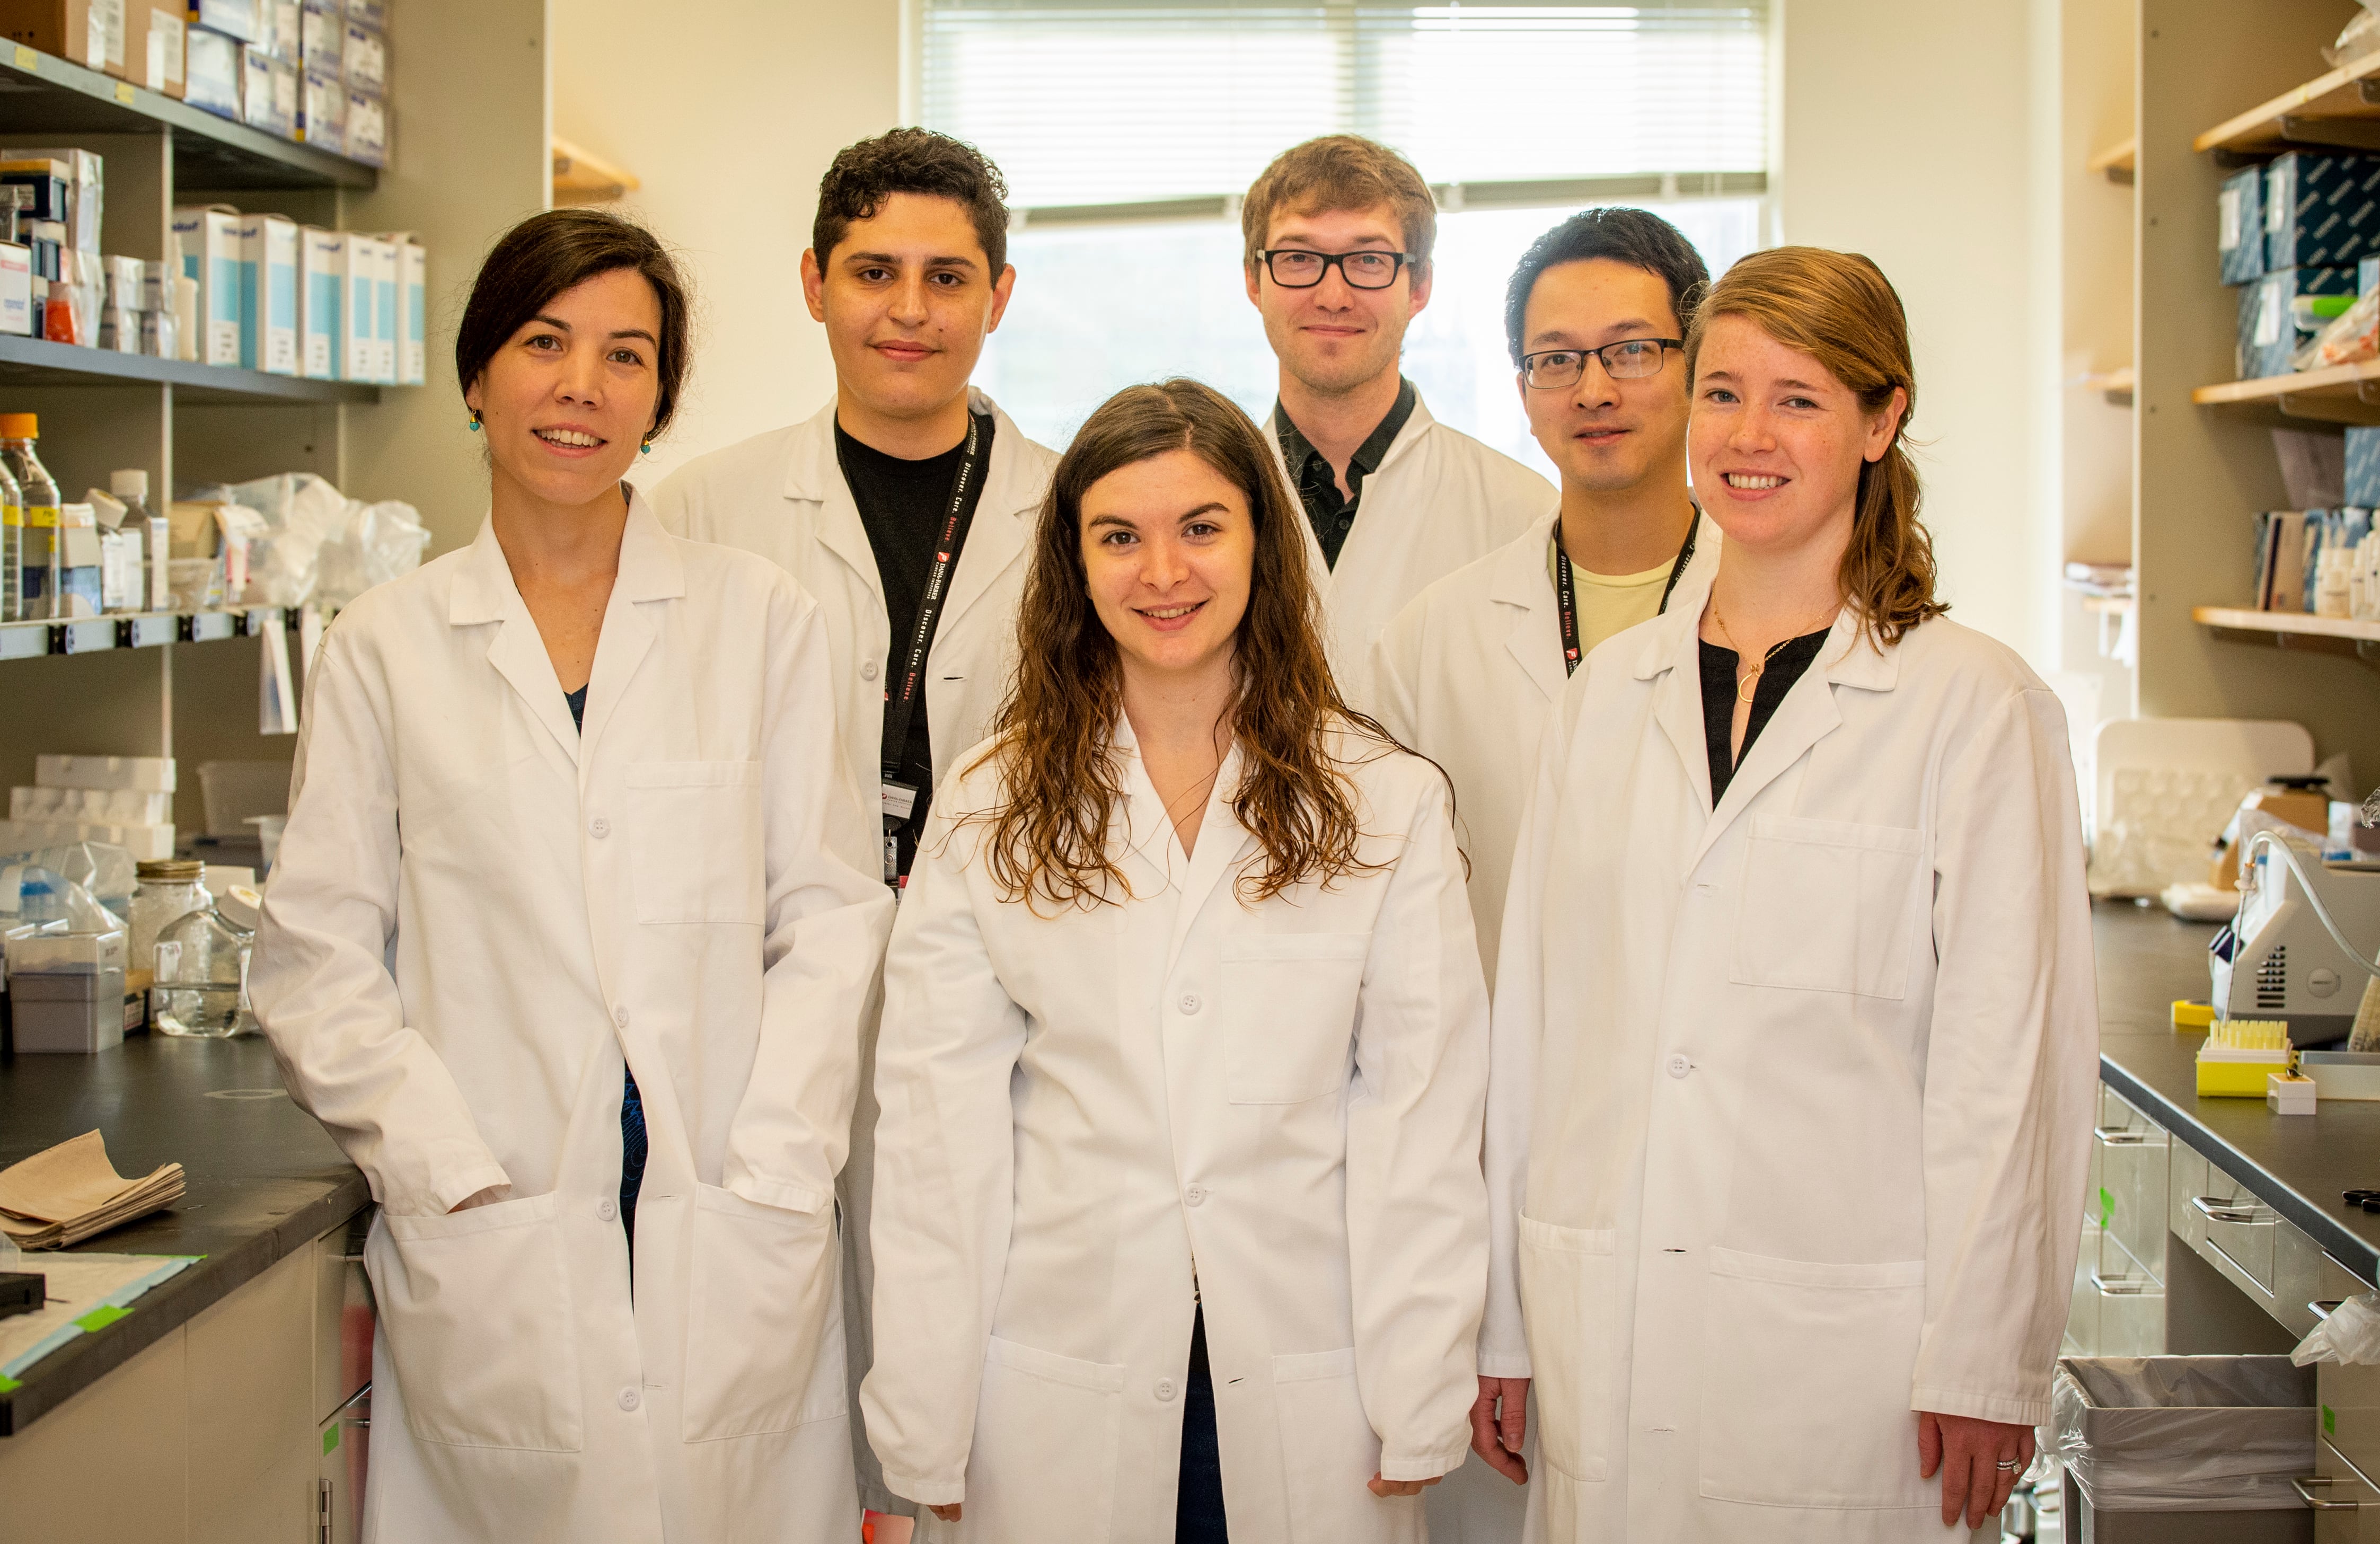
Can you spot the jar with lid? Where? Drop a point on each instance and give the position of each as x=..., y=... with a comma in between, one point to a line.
x=169, y=889
x=202, y=987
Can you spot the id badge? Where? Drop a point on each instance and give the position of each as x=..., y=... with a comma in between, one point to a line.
x=898, y=800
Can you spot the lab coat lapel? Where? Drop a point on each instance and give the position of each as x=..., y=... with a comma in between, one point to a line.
x=1149, y=835
x=1668, y=656
x=1222, y=844
x=1004, y=517
x=1808, y=714
x=650, y=570
x=814, y=474
x=484, y=592
x=1535, y=638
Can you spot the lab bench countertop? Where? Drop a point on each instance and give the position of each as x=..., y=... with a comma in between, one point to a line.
x=2296, y=1164
x=264, y=1182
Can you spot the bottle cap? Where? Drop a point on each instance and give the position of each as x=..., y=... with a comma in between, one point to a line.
x=20, y=426
x=170, y=868
x=131, y=484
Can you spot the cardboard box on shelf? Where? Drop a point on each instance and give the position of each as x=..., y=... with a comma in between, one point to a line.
x=210, y=239
x=161, y=334
x=363, y=58
x=413, y=303
x=268, y=293
x=359, y=329
x=153, y=45
x=16, y=290
x=2268, y=334
x=211, y=72
x=321, y=24
x=322, y=111
x=2239, y=225
x=235, y=18
x=367, y=128
x=372, y=11
x=2321, y=209
x=322, y=259
x=386, y=285
x=86, y=196
x=87, y=32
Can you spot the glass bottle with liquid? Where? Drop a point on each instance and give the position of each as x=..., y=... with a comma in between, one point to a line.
x=12, y=548
x=170, y=889
x=41, y=557
x=202, y=987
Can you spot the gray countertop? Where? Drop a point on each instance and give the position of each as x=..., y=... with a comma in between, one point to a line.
x=264, y=1181
x=2296, y=1164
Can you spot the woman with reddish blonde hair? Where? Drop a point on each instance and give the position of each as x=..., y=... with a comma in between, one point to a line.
x=1180, y=1230
x=1795, y=1026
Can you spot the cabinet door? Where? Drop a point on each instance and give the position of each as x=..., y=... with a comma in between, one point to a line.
x=2346, y=1508
x=2132, y=1153
x=2349, y=1413
x=345, y=1441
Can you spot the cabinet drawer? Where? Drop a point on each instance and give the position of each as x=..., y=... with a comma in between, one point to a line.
x=2349, y=1414
x=2132, y=1153
x=2083, y=1307
x=2346, y=1508
x=343, y=1315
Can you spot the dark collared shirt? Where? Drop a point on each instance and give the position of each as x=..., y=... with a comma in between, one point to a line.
x=1318, y=485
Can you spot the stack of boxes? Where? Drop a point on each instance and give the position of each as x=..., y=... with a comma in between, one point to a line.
x=2291, y=232
x=315, y=70
x=292, y=299
x=128, y=801
x=138, y=41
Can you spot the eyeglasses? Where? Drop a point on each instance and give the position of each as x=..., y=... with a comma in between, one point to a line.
x=1629, y=359
x=1366, y=270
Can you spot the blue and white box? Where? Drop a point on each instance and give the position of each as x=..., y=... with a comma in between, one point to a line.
x=211, y=72
x=268, y=293
x=211, y=246
x=358, y=331
x=2239, y=225
x=413, y=306
x=387, y=270
x=2322, y=209
x=2268, y=334
x=2362, y=483
x=322, y=264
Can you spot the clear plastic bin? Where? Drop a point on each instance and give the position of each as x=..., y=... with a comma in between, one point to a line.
x=2177, y=1449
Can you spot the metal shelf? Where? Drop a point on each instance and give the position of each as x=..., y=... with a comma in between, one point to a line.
x=89, y=635
x=39, y=362
x=50, y=98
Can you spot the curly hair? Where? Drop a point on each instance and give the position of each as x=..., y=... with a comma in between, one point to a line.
x=912, y=161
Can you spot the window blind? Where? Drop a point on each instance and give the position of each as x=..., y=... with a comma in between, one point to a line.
x=1127, y=102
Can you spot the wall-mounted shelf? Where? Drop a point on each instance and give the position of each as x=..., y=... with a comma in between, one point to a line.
x=52, y=99
x=2293, y=630
x=579, y=177
x=2116, y=385
x=2342, y=394
x=2340, y=108
x=2116, y=160
x=92, y=635
x=39, y=362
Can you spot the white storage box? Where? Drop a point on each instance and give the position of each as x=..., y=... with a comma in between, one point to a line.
x=148, y=774
x=143, y=842
x=110, y=806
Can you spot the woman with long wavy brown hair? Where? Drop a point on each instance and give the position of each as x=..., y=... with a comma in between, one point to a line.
x=1180, y=1227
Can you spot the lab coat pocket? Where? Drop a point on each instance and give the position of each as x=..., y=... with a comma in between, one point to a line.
x=1805, y=1390
x=476, y=1307
x=1044, y=1459
x=763, y=1284
x=696, y=842
x=1568, y=1285
x=1329, y=1453
x=1826, y=906
x=1289, y=1015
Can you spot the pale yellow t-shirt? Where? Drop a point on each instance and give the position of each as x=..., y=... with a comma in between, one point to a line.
x=1610, y=603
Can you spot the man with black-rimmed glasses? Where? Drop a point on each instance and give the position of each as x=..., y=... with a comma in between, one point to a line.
x=1338, y=233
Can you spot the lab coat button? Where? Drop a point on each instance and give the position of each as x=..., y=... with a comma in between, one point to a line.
x=1190, y=1003
x=1165, y=1389
x=598, y=827
x=620, y=1015
x=1678, y=1065
x=629, y=1399
x=607, y=1211
x=1195, y=1194
x=868, y=671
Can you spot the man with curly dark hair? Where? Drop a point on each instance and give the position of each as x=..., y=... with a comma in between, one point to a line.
x=905, y=507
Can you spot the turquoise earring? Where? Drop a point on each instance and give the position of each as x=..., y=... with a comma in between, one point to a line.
x=475, y=423
x=645, y=449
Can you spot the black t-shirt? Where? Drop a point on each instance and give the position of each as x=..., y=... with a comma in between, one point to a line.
x=1718, y=700
x=901, y=504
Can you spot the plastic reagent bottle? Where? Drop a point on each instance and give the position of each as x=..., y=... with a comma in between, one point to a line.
x=132, y=487
x=40, y=556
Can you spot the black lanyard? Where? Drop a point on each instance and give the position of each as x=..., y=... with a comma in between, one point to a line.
x=906, y=688
x=1566, y=596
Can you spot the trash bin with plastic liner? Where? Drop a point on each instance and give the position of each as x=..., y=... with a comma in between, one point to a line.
x=2180, y=1450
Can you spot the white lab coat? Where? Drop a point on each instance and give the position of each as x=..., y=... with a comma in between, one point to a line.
x=783, y=496
x=1467, y=674
x=1790, y=1101
x=1089, y=1109
x=477, y=912
x=1439, y=500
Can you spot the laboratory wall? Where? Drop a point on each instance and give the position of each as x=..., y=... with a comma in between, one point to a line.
x=726, y=113
x=1929, y=146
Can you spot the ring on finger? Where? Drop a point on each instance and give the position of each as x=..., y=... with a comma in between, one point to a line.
x=2009, y=1465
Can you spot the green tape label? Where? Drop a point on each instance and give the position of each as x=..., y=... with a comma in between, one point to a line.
x=101, y=1318
x=2107, y=1207
x=9, y=1385
x=2329, y=1421
x=330, y=1439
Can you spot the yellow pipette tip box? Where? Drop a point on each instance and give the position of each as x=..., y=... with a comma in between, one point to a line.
x=2239, y=1054
x=2191, y=1015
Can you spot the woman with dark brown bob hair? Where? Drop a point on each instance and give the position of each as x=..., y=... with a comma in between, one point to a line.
x=568, y=948
x=1178, y=1224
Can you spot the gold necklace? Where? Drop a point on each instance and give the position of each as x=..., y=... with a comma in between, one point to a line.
x=1747, y=682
